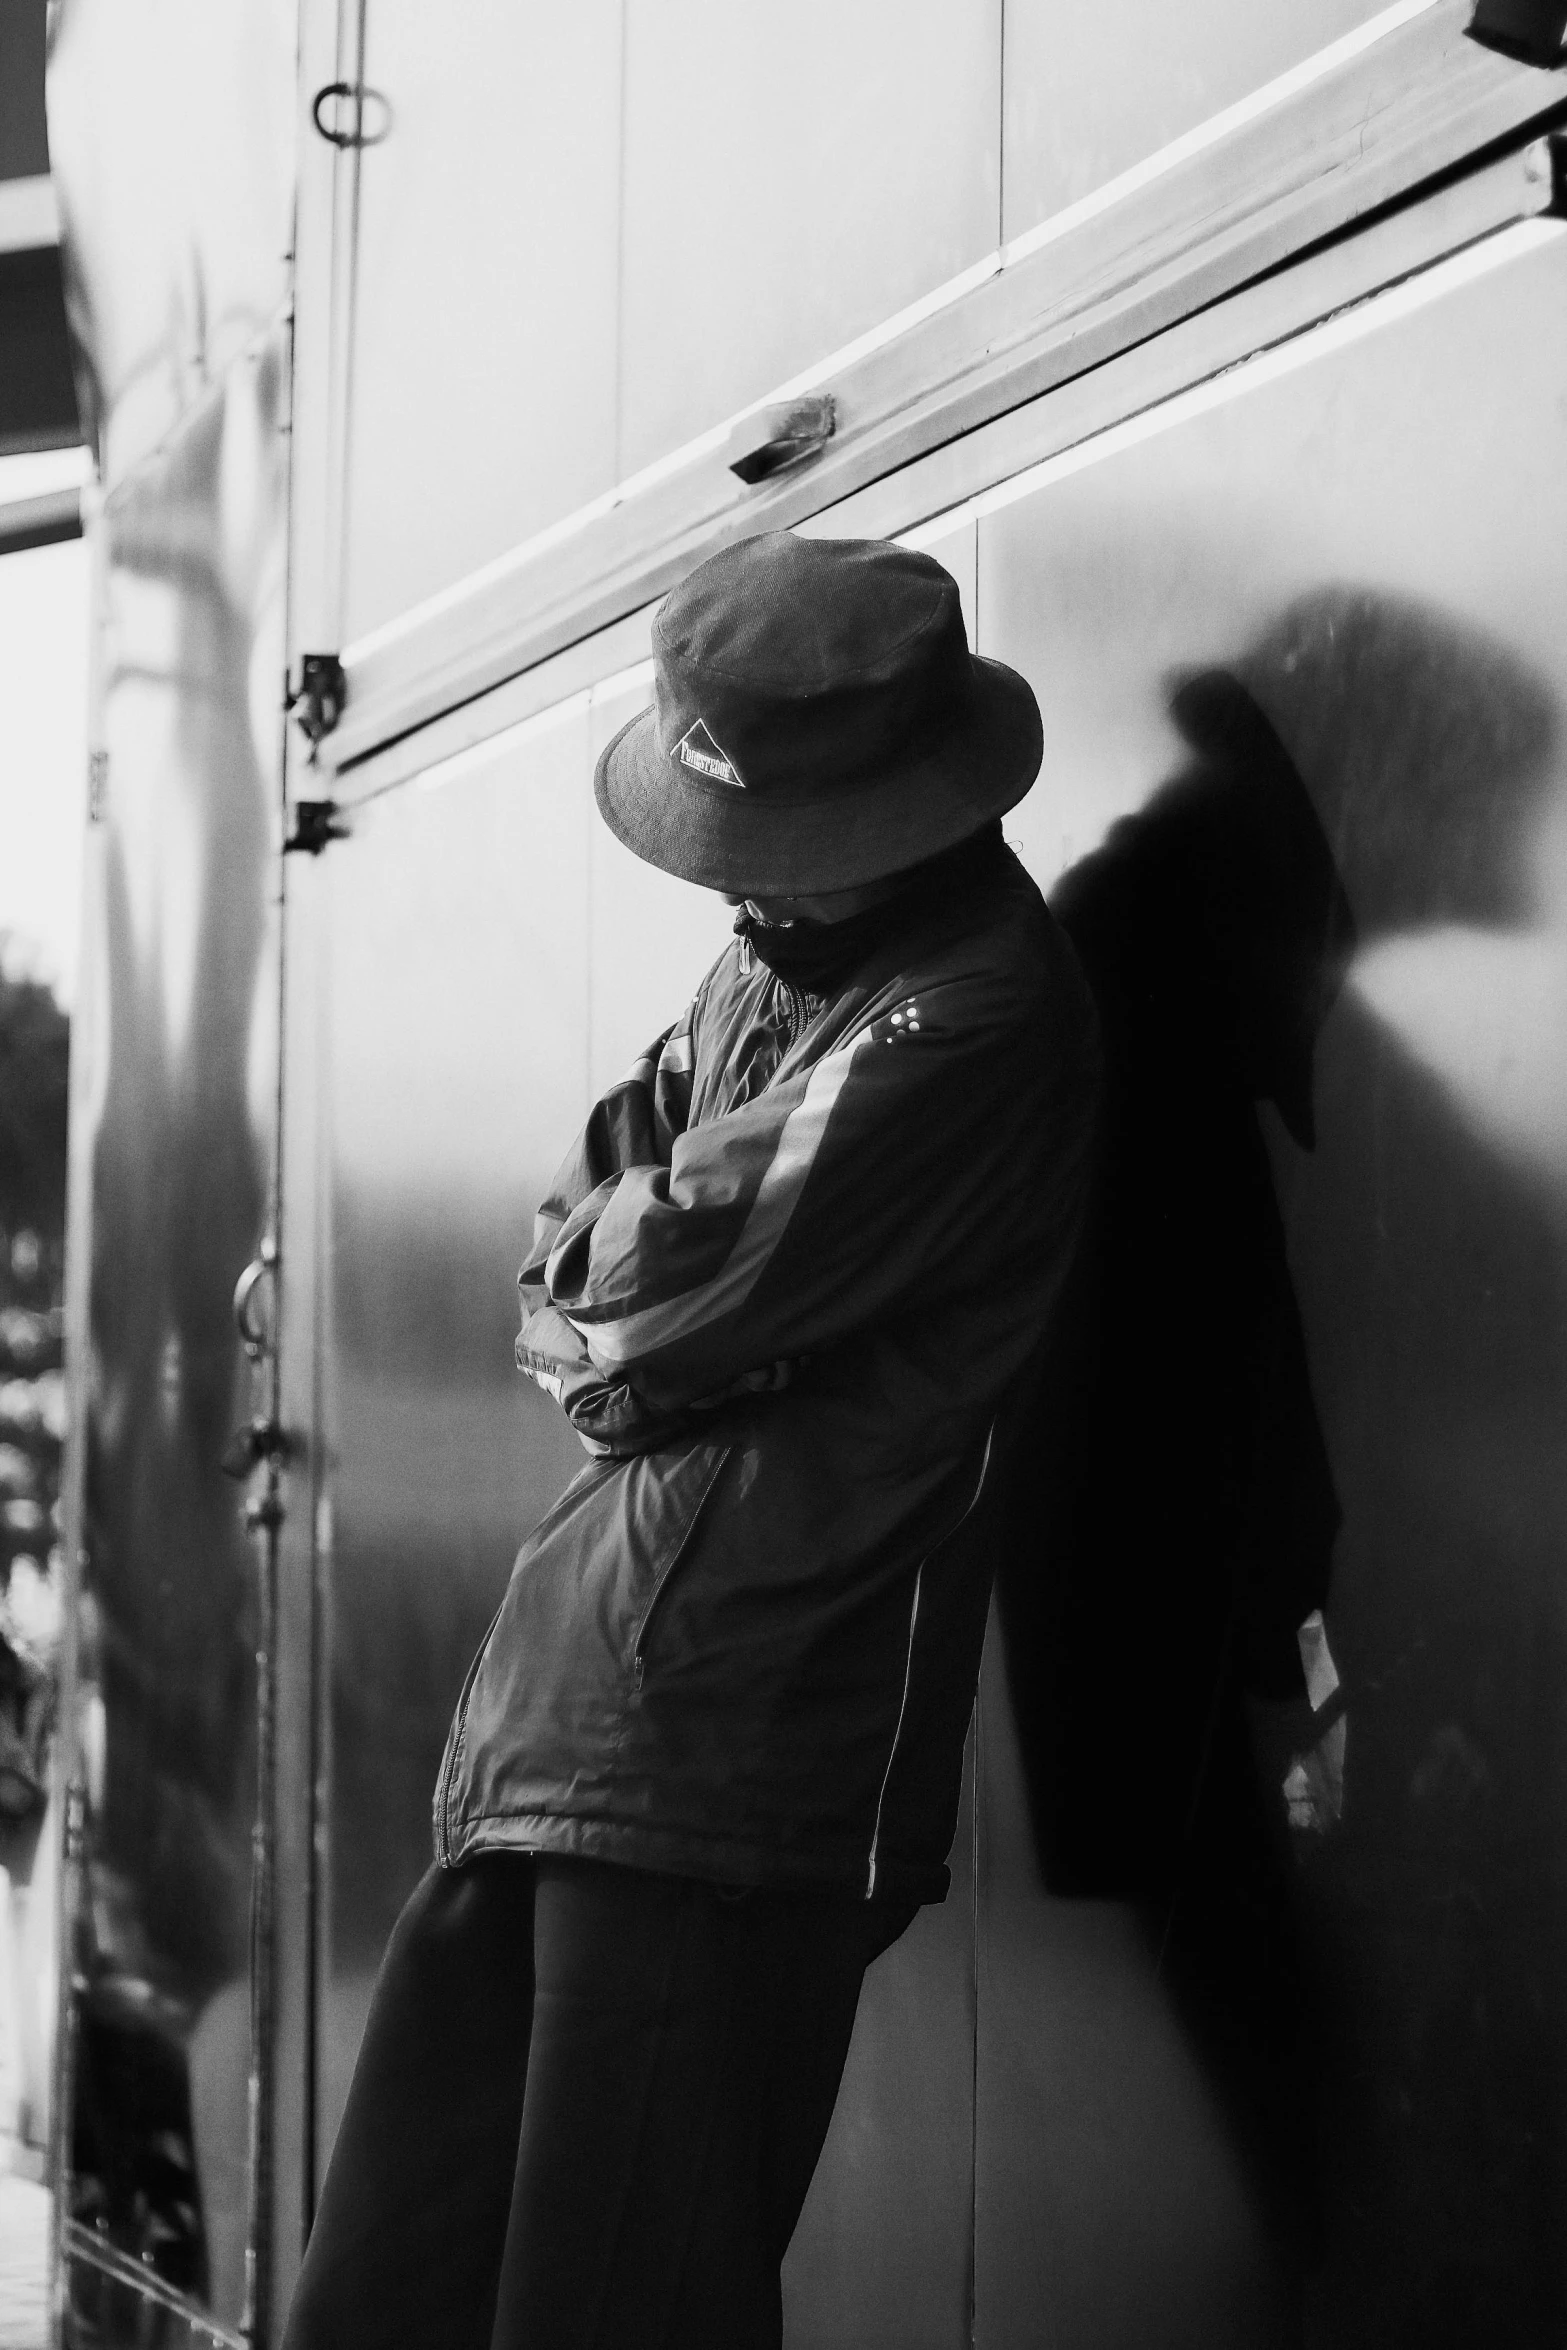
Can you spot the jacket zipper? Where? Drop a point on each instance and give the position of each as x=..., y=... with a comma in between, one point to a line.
x=908, y=1661
x=638, y=1659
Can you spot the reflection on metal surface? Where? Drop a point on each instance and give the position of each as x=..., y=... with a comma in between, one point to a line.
x=178, y=1137
x=113, y=2300
x=1408, y=649
x=176, y=230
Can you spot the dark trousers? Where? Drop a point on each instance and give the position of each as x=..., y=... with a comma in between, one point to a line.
x=586, y=2112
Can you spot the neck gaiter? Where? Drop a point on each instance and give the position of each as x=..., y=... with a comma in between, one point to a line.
x=814, y=956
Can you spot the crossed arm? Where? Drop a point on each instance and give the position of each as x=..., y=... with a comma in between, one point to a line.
x=673, y=1265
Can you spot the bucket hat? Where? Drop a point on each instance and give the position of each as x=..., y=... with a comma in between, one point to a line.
x=818, y=722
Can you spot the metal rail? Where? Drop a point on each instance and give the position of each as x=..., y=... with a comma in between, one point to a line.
x=1366, y=123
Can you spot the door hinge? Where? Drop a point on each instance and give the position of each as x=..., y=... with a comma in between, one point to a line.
x=249, y=1446
x=320, y=698
x=315, y=823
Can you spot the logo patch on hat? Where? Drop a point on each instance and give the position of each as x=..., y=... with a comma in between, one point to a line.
x=697, y=749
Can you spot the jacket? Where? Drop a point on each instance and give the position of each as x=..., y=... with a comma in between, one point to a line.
x=787, y=1284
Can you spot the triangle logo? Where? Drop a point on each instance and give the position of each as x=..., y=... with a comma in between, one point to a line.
x=697, y=750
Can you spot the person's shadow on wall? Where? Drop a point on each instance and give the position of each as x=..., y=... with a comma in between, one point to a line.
x=1184, y=1524
x=1181, y=1516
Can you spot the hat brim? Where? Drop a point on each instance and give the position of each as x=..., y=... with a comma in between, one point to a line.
x=932, y=796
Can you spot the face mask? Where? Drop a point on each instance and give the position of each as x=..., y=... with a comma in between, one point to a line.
x=815, y=956
x=812, y=955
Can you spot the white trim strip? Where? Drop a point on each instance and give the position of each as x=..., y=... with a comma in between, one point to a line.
x=459, y=764
x=1383, y=306
x=527, y=551
x=43, y=473
x=712, y=442
x=1304, y=349
x=477, y=756
x=1279, y=92
x=29, y=214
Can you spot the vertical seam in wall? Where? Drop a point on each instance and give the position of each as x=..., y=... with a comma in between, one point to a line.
x=592, y=724
x=620, y=255
x=979, y=1782
x=976, y=1843
x=973, y=2231
x=1001, y=130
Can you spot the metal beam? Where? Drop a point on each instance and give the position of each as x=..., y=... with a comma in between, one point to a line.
x=40, y=522
x=29, y=214
x=1390, y=111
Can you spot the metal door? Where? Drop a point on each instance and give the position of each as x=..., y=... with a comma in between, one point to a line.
x=174, y=1139
x=176, y=237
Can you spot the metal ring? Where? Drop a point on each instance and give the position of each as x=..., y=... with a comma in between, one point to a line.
x=361, y=96
x=262, y=1267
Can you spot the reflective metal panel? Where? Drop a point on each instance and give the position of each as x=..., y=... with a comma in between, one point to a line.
x=1360, y=534
x=1089, y=92
x=492, y=956
x=455, y=1062
x=483, y=400
x=179, y=1131
x=171, y=139
x=787, y=185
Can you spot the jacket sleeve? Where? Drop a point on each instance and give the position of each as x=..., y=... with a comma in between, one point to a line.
x=633, y=1125
x=913, y=1154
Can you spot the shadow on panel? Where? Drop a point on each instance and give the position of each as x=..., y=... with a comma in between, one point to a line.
x=1350, y=2082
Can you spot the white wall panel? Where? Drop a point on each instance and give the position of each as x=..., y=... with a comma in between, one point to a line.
x=650, y=937
x=1092, y=91
x=484, y=352
x=790, y=181
x=1363, y=528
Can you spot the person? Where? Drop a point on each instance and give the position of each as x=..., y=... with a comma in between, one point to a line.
x=790, y=1287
